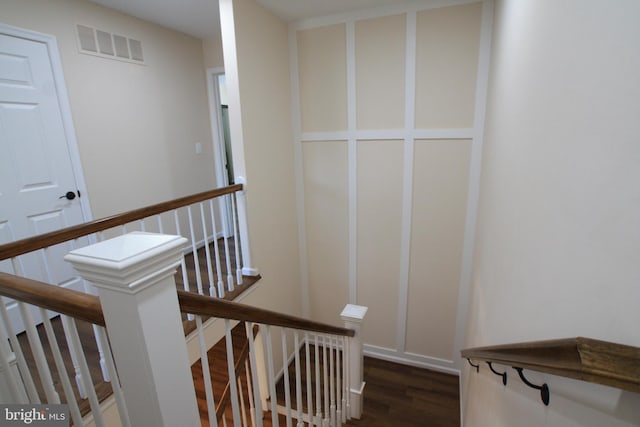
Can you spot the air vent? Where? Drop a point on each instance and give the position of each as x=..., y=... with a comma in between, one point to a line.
x=104, y=43
x=87, y=39
x=107, y=45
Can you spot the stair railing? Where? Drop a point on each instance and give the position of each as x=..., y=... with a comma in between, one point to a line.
x=141, y=310
x=215, y=262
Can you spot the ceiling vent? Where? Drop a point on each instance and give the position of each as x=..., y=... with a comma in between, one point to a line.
x=107, y=45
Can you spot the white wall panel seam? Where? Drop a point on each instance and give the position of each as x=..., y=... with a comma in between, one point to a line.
x=352, y=160
x=407, y=185
x=299, y=172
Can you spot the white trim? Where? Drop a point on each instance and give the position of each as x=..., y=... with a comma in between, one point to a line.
x=389, y=134
x=65, y=108
x=411, y=359
x=324, y=136
x=218, y=144
x=299, y=174
x=482, y=84
x=407, y=184
x=397, y=8
x=217, y=139
x=352, y=161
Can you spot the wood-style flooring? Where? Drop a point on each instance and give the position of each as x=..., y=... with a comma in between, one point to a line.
x=403, y=396
x=395, y=395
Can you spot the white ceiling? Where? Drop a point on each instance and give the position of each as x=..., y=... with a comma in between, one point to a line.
x=201, y=18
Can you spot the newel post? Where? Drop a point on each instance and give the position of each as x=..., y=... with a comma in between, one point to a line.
x=353, y=315
x=134, y=275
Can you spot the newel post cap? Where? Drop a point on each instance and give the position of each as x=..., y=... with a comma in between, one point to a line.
x=129, y=263
x=353, y=313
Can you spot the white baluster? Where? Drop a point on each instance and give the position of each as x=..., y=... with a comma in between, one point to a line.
x=339, y=375
x=243, y=409
x=9, y=375
x=206, y=374
x=183, y=264
x=236, y=241
x=271, y=378
x=353, y=315
x=159, y=221
x=70, y=325
x=73, y=351
x=142, y=227
x=194, y=252
x=216, y=251
x=38, y=354
x=296, y=345
x=309, y=387
x=207, y=251
x=62, y=370
x=254, y=376
x=347, y=378
x=325, y=375
x=318, y=383
x=252, y=408
x=115, y=382
x=232, y=374
x=332, y=391
x=285, y=364
x=25, y=372
x=227, y=257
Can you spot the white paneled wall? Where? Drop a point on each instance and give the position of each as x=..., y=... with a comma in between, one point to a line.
x=387, y=105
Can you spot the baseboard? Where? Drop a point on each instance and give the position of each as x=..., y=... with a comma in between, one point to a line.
x=411, y=359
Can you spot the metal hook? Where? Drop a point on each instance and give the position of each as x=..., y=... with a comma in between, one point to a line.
x=475, y=366
x=544, y=388
x=503, y=375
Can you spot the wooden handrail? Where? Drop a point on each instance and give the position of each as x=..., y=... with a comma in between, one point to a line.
x=226, y=394
x=207, y=306
x=87, y=307
x=30, y=244
x=585, y=359
x=65, y=301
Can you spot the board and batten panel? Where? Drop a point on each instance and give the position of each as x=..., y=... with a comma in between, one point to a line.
x=326, y=210
x=322, y=70
x=379, y=223
x=447, y=45
x=439, y=208
x=380, y=72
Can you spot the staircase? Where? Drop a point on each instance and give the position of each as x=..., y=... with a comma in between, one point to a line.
x=98, y=354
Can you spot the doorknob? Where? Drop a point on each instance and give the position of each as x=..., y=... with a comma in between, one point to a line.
x=69, y=196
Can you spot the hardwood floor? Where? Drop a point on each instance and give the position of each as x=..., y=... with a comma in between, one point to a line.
x=397, y=395
x=403, y=396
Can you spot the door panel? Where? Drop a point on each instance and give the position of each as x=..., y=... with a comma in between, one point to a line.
x=35, y=163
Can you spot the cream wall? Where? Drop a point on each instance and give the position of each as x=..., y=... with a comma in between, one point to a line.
x=386, y=130
x=558, y=229
x=256, y=57
x=212, y=51
x=136, y=126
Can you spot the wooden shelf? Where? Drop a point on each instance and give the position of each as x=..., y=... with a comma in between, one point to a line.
x=585, y=359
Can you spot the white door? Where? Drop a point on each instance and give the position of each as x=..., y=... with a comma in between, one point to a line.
x=36, y=171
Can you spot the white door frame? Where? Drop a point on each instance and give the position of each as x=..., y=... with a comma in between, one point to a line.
x=65, y=107
x=219, y=149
